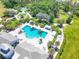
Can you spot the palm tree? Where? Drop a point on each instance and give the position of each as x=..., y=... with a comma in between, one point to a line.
x=40, y=32
x=40, y=41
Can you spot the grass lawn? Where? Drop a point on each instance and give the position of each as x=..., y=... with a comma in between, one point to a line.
x=71, y=47
x=2, y=9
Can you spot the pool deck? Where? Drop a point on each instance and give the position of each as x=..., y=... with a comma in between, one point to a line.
x=35, y=41
x=23, y=49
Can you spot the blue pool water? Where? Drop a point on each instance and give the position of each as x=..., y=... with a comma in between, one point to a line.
x=33, y=32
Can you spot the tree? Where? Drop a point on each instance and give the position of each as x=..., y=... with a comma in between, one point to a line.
x=45, y=6
x=69, y=20
x=9, y=3
x=51, y=51
x=55, y=8
x=54, y=27
x=40, y=32
x=23, y=3
x=14, y=3
x=77, y=13
x=76, y=9
x=60, y=22
x=12, y=24
x=49, y=44
x=67, y=6
x=26, y=18
x=57, y=43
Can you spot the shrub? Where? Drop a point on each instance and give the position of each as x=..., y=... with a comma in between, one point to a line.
x=55, y=28
x=57, y=43
x=60, y=21
x=49, y=44
x=51, y=51
x=27, y=18
x=77, y=13
x=68, y=21
x=42, y=25
x=10, y=12
x=12, y=24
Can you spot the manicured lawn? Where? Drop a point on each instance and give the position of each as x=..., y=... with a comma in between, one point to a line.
x=70, y=49
x=2, y=9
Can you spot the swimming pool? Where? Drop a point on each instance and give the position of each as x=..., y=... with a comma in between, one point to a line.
x=31, y=32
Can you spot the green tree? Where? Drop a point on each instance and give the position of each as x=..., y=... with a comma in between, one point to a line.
x=45, y=6
x=76, y=9
x=69, y=20
x=9, y=3
x=14, y=3
x=67, y=6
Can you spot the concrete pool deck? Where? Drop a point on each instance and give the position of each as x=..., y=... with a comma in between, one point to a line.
x=35, y=41
x=23, y=49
